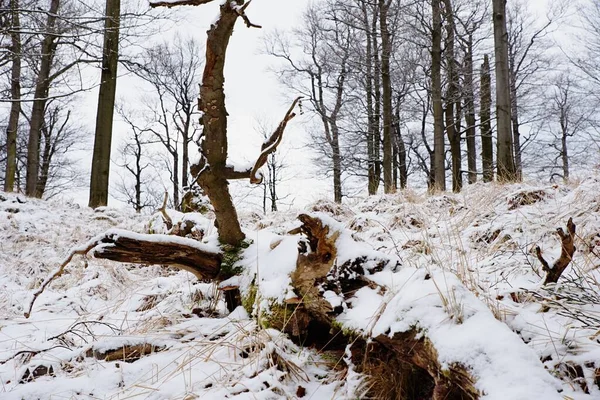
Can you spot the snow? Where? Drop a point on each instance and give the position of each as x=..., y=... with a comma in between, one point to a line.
x=457, y=269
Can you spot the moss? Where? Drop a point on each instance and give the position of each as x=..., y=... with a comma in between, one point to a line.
x=231, y=256
x=249, y=298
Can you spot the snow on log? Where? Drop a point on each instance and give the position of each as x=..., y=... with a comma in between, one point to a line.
x=118, y=245
x=412, y=330
x=200, y=259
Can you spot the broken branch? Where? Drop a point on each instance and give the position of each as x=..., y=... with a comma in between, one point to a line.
x=79, y=250
x=270, y=145
x=124, y=246
x=241, y=11
x=566, y=255
x=175, y=3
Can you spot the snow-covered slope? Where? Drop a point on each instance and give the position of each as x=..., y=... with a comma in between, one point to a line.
x=464, y=259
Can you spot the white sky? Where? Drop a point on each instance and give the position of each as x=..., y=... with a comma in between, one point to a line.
x=251, y=92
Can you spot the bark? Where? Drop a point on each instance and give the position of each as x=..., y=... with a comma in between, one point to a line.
x=564, y=130
x=377, y=99
x=42, y=87
x=401, y=149
x=439, y=173
x=337, y=164
x=470, y=113
x=15, y=94
x=106, y=107
x=386, y=51
x=485, y=115
x=566, y=255
x=452, y=129
x=159, y=250
x=515, y=128
x=505, y=158
x=406, y=357
x=214, y=120
x=373, y=179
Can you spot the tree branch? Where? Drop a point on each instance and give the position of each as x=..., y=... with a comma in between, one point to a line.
x=175, y=3
x=270, y=145
x=566, y=254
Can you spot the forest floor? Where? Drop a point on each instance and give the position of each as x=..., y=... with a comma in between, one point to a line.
x=461, y=269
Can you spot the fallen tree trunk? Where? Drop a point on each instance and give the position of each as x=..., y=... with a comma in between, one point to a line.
x=124, y=246
x=404, y=365
x=187, y=254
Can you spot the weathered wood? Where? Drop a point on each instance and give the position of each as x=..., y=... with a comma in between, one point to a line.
x=566, y=255
x=159, y=249
x=408, y=361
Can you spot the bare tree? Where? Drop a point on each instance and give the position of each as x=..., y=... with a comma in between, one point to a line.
x=439, y=173
x=485, y=115
x=505, y=155
x=15, y=92
x=42, y=87
x=135, y=159
x=106, y=106
x=569, y=119
x=212, y=172
x=172, y=70
x=320, y=75
x=528, y=44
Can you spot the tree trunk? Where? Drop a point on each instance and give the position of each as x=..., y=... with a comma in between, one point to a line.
x=337, y=163
x=436, y=97
x=214, y=120
x=15, y=94
x=564, y=153
x=42, y=87
x=470, y=114
x=401, y=148
x=452, y=129
x=505, y=159
x=106, y=107
x=46, y=158
x=310, y=320
x=386, y=51
x=485, y=115
x=185, y=162
x=515, y=127
x=377, y=99
x=176, y=204
x=373, y=179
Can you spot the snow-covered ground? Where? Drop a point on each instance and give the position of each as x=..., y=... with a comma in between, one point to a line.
x=461, y=270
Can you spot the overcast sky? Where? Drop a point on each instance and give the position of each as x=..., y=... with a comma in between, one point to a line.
x=252, y=91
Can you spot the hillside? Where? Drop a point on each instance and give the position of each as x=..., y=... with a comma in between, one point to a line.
x=458, y=269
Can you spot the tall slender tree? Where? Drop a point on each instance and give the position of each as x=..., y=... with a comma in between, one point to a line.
x=485, y=116
x=42, y=87
x=386, y=52
x=106, y=107
x=15, y=93
x=439, y=163
x=505, y=155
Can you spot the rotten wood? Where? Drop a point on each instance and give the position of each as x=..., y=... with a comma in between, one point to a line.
x=146, y=249
x=408, y=362
x=123, y=246
x=568, y=248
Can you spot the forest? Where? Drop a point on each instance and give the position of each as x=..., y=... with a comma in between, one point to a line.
x=453, y=254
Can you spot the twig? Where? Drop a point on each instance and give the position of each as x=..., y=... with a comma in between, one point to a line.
x=163, y=210
x=241, y=11
x=78, y=250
